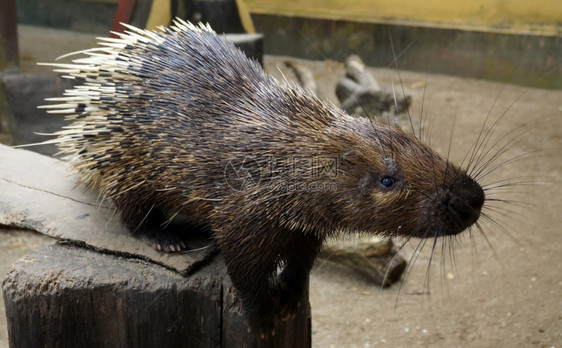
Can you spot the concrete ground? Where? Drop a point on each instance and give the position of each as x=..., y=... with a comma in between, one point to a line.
x=501, y=287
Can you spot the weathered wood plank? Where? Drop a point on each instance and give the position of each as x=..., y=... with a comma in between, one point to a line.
x=38, y=193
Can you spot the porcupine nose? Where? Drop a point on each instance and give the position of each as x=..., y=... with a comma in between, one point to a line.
x=466, y=205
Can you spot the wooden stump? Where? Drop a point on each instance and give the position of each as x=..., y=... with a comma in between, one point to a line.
x=69, y=296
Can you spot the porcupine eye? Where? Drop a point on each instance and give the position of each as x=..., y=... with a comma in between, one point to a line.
x=388, y=182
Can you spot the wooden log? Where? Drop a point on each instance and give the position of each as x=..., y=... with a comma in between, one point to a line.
x=355, y=69
x=346, y=88
x=304, y=75
x=361, y=95
x=374, y=259
x=68, y=296
x=367, y=103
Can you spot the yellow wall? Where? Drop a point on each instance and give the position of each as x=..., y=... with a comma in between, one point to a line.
x=528, y=16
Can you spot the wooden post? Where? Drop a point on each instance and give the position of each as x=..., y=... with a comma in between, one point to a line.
x=69, y=296
x=9, y=55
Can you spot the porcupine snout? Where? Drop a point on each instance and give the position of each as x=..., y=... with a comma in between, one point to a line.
x=463, y=204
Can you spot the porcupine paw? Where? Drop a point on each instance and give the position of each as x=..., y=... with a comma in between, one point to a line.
x=265, y=325
x=286, y=300
x=168, y=241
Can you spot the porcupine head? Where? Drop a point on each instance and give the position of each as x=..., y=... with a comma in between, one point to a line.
x=180, y=121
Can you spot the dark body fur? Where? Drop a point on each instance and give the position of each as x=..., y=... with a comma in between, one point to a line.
x=182, y=122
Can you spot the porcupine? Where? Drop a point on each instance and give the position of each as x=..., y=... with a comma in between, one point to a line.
x=161, y=119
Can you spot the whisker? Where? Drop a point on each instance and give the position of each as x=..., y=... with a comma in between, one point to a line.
x=516, y=180
x=443, y=265
x=491, y=129
x=475, y=145
x=431, y=255
x=481, y=175
x=410, y=265
x=420, y=134
x=490, y=245
x=501, y=227
x=401, y=84
x=504, y=148
x=505, y=211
